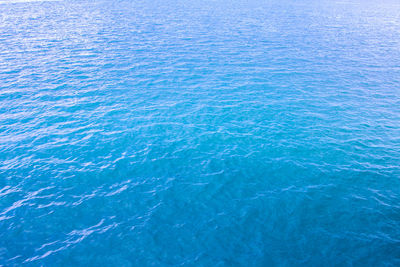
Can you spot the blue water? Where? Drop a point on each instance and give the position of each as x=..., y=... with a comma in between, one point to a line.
x=200, y=133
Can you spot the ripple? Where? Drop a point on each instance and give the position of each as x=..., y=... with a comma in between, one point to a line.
x=209, y=133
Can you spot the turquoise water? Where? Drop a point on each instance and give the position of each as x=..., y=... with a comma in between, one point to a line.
x=200, y=133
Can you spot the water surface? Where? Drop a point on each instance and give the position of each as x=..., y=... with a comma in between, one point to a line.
x=207, y=133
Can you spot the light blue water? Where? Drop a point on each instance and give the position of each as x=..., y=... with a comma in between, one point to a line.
x=207, y=133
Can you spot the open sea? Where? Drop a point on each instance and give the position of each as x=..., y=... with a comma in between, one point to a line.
x=200, y=133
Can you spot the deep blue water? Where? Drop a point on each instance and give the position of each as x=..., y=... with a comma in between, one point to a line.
x=200, y=133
